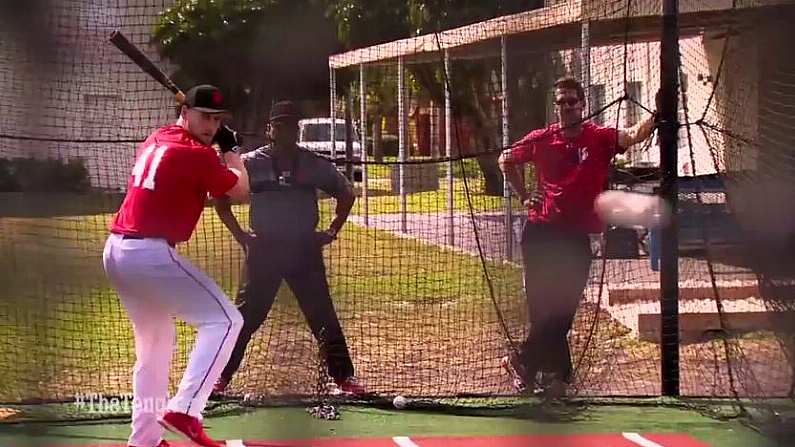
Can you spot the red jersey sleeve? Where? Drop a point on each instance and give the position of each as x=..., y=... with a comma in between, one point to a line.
x=524, y=150
x=216, y=178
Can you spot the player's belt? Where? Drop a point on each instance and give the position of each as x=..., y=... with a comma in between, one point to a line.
x=131, y=236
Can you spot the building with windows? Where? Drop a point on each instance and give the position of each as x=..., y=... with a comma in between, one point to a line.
x=68, y=93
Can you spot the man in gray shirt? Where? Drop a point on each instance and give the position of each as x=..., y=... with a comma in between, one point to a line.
x=284, y=244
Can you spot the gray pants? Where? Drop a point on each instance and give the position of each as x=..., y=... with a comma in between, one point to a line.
x=556, y=268
x=268, y=262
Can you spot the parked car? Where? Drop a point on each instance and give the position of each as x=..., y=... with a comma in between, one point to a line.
x=314, y=134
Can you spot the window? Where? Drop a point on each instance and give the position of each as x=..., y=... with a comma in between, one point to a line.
x=632, y=110
x=597, y=103
x=551, y=118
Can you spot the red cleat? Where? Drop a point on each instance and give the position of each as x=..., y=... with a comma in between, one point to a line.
x=163, y=443
x=351, y=386
x=220, y=386
x=187, y=426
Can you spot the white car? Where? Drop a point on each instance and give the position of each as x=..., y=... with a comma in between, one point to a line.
x=314, y=134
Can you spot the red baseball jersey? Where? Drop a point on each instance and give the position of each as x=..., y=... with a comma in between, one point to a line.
x=570, y=173
x=172, y=176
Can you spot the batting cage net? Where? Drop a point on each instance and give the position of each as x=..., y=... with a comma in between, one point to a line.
x=426, y=276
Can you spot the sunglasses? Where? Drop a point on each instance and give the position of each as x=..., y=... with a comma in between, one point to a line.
x=571, y=102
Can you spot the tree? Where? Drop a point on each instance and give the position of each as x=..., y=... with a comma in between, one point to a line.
x=389, y=20
x=361, y=23
x=257, y=51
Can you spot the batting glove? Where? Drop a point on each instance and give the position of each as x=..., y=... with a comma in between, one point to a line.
x=227, y=139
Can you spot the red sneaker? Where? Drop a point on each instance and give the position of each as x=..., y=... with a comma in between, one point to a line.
x=187, y=426
x=220, y=386
x=351, y=386
x=163, y=443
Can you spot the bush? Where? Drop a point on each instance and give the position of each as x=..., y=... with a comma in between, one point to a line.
x=74, y=176
x=468, y=166
x=389, y=145
x=8, y=181
x=43, y=175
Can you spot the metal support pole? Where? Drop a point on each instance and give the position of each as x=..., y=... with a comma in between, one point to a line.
x=506, y=140
x=333, y=111
x=363, y=144
x=448, y=150
x=349, y=133
x=669, y=262
x=585, y=64
x=402, y=142
x=433, y=119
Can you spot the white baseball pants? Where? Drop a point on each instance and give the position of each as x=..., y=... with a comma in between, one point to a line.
x=156, y=285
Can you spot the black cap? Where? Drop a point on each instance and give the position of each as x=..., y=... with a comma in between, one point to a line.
x=284, y=110
x=206, y=98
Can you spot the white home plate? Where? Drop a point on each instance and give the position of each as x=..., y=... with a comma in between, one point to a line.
x=235, y=443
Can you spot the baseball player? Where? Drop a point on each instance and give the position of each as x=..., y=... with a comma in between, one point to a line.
x=572, y=159
x=285, y=244
x=174, y=171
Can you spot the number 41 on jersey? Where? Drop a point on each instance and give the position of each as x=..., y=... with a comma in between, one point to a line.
x=148, y=163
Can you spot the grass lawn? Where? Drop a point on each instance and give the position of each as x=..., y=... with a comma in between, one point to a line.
x=64, y=325
x=383, y=200
x=468, y=187
x=419, y=318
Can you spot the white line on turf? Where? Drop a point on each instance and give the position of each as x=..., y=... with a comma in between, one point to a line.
x=235, y=443
x=640, y=440
x=404, y=441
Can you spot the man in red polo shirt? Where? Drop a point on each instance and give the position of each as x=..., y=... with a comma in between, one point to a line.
x=572, y=159
x=175, y=169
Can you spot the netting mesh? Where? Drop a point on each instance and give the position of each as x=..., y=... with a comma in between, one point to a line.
x=67, y=95
x=426, y=276
x=729, y=336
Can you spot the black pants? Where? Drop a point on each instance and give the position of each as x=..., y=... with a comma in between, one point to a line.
x=556, y=268
x=301, y=265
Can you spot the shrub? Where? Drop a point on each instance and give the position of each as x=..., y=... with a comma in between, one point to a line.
x=43, y=175
x=8, y=181
x=467, y=166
